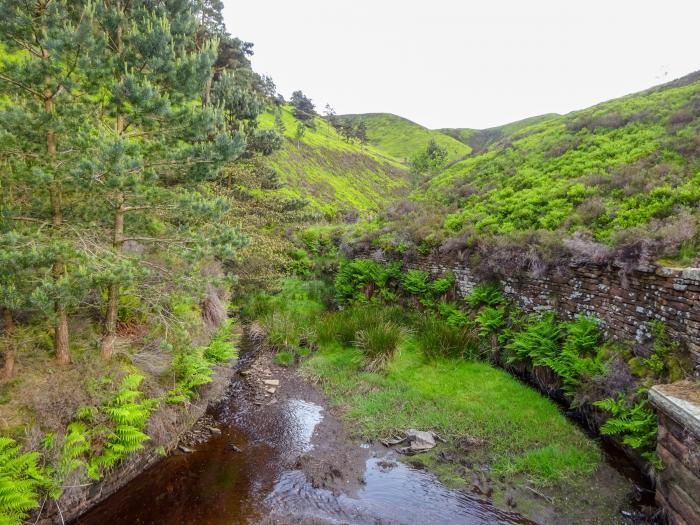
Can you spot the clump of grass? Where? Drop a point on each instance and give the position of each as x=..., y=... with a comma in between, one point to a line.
x=342, y=327
x=379, y=342
x=551, y=463
x=283, y=358
x=336, y=327
x=440, y=339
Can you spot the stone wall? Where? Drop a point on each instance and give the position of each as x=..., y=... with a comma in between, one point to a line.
x=625, y=302
x=678, y=446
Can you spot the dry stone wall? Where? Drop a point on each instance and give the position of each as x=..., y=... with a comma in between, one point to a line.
x=626, y=302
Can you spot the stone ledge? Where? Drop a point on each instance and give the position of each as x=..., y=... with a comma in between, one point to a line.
x=681, y=401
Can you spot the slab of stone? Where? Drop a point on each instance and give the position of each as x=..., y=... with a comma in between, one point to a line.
x=272, y=382
x=681, y=401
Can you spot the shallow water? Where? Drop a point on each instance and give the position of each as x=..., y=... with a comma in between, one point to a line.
x=394, y=494
x=217, y=486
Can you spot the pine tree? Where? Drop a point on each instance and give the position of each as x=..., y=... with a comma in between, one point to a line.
x=49, y=44
x=155, y=134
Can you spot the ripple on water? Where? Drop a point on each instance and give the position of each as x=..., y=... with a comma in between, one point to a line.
x=302, y=418
x=393, y=494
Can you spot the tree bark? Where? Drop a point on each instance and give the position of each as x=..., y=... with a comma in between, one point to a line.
x=109, y=335
x=10, y=350
x=61, y=341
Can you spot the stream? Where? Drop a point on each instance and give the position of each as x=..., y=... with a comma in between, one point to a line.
x=282, y=459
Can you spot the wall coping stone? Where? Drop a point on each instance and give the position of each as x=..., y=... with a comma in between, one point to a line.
x=681, y=401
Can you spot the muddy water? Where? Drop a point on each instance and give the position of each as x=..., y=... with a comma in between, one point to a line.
x=263, y=482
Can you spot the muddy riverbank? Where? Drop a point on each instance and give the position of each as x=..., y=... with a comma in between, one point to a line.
x=273, y=453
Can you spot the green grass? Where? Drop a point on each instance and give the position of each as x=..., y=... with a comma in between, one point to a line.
x=332, y=174
x=401, y=138
x=479, y=139
x=524, y=432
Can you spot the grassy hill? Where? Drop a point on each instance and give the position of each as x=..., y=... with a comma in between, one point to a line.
x=402, y=138
x=333, y=175
x=480, y=139
x=624, y=174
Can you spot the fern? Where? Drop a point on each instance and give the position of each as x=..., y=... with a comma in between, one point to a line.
x=538, y=343
x=453, y=316
x=21, y=479
x=487, y=294
x=221, y=348
x=636, y=423
x=76, y=443
x=490, y=320
x=191, y=370
x=442, y=285
x=129, y=413
x=578, y=359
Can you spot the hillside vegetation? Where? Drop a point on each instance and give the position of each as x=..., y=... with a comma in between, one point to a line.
x=334, y=175
x=621, y=179
x=401, y=138
x=480, y=139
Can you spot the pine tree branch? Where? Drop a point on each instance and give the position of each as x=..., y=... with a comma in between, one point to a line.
x=21, y=85
x=127, y=209
x=26, y=46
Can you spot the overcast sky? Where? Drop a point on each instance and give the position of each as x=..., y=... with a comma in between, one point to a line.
x=465, y=63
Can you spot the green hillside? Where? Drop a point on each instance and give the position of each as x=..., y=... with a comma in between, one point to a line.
x=480, y=139
x=333, y=175
x=625, y=173
x=401, y=138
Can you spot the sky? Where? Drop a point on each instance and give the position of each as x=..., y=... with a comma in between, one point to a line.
x=465, y=63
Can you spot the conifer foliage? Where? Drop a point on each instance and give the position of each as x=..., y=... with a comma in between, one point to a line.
x=116, y=119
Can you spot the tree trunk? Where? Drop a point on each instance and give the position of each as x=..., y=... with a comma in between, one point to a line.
x=9, y=328
x=109, y=334
x=110, y=325
x=60, y=343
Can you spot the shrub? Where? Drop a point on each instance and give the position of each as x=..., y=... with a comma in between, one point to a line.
x=439, y=339
x=378, y=343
